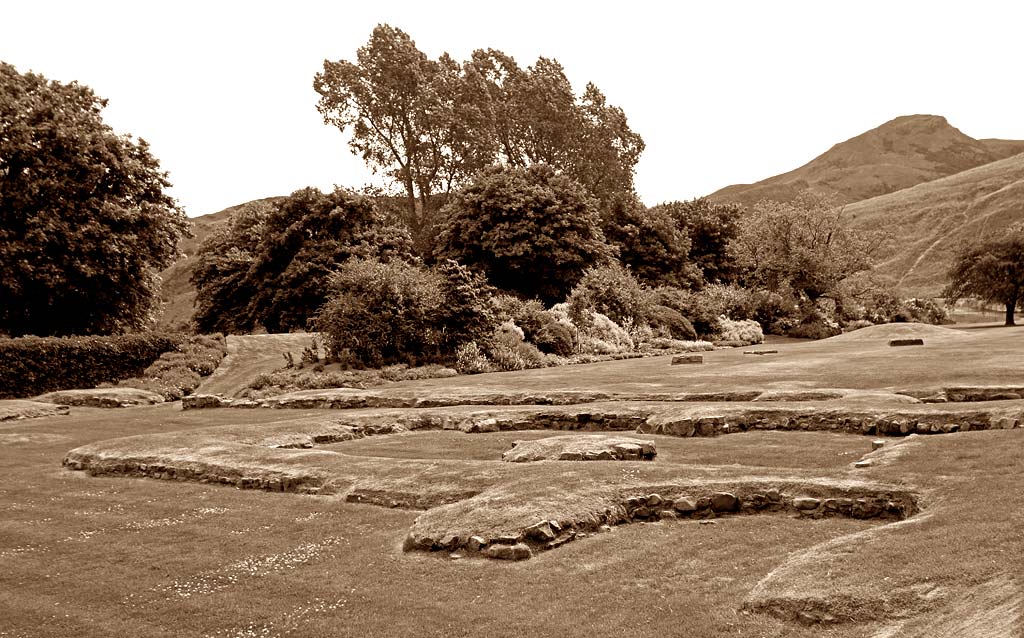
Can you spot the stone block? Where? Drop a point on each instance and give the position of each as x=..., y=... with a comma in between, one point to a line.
x=684, y=359
x=806, y=503
x=906, y=342
x=519, y=551
x=724, y=502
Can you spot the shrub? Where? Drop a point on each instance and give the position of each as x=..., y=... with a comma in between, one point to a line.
x=815, y=327
x=729, y=301
x=34, y=365
x=470, y=359
x=508, y=351
x=554, y=338
x=671, y=323
x=611, y=290
x=598, y=334
x=399, y=313
x=926, y=311
x=384, y=313
x=179, y=372
x=746, y=330
x=702, y=317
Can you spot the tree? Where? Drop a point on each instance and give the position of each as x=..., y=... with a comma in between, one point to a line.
x=530, y=230
x=711, y=229
x=649, y=243
x=991, y=269
x=408, y=118
x=272, y=266
x=85, y=222
x=397, y=312
x=803, y=245
x=431, y=125
x=536, y=118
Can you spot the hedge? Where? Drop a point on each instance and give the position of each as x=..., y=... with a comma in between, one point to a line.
x=34, y=365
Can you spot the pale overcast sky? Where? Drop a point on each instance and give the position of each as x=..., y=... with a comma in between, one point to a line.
x=722, y=92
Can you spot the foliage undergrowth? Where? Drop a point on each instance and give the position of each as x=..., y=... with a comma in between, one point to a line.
x=34, y=365
x=180, y=371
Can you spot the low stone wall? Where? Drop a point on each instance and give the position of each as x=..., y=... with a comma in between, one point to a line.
x=200, y=472
x=812, y=502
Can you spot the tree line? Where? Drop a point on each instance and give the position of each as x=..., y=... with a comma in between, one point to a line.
x=510, y=183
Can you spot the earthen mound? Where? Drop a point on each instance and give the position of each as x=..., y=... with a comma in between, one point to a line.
x=882, y=333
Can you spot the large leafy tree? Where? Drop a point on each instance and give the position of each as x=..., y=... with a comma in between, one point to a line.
x=803, y=245
x=85, y=222
x=649, y=242
x=531, y=230
x=432, y=124
x=991, y=269
x=272, y=265
x=711, y=230
x=535, y=117
x=401, y=108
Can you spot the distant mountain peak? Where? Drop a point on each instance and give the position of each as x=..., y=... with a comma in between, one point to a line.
x=901, y=153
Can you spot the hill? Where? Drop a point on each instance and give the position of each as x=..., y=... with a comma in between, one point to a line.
x=925, y=223
x=901, y=153
x=177, y=294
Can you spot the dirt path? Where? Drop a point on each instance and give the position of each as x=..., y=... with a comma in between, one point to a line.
x=249, y=355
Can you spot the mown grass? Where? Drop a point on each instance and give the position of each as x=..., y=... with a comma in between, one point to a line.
x=102, y=556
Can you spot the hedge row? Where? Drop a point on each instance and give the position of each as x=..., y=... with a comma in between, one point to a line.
x=34, y=365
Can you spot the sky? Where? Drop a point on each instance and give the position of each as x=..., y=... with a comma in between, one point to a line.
x=721, y=92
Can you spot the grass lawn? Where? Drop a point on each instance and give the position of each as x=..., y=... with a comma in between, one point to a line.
x=98, y=556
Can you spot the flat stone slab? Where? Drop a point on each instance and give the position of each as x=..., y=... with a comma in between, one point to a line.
x=581, y=447
x=13, y=409
x=684, y=359
x=102, y=397
x=906, y=342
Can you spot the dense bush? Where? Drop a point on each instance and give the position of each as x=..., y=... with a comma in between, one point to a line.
x=180, y=371
x=671, y=323
x=814, y=327
x=34, y=365
x=703, y=318
x=612, y=290
x=393, y=313
x=926, y=311
x=531, y=230
x=745, y=330
x=383, y=313
x=508, y=350
x=272, y=264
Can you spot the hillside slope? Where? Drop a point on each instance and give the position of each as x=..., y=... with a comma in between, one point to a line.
x=924, y=224
x=177, y=294
x=901, y=153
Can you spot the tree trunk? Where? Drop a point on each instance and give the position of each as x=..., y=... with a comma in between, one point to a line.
x=1009, y=313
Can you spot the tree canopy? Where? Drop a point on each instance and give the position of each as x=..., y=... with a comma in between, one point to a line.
x=85, y=222
x=711, y=230
x=432, y=124
x=271, y=266
x=803, y=245
x=991, y=269
x=531, y=230
x=650, y=243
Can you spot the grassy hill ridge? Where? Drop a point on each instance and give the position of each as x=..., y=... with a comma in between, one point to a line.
x=926, y=223
x=177, y=294
x=901, y=153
